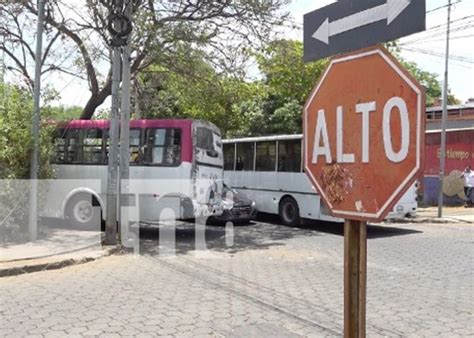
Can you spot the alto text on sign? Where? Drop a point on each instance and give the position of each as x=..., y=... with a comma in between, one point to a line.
x=322, y=147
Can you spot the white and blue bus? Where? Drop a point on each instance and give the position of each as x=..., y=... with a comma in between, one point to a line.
x=269, y=170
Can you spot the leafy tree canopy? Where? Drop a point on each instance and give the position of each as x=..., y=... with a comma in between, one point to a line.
x=285, y=73
x=77, y=41
x=16, y=135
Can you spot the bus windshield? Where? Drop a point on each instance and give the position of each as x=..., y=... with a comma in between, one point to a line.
x=205, y=140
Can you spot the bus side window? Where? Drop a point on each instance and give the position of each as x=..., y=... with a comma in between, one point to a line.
x=245, y=153
x=229, y=153
x=135, y=146
x=59, y=146
x=92, y=146
x=74, y=147
x=289, y=156
x=163, y=146
x=266, y=156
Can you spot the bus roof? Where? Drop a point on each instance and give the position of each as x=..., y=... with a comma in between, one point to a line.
x=300, y=136
x=265, y=138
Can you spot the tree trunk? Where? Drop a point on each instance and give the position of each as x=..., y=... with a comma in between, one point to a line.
x=95, y=101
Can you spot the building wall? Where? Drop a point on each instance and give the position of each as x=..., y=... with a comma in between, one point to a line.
x=459, y=154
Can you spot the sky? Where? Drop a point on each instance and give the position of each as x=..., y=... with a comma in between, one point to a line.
x=420, y=47
x=427, y=49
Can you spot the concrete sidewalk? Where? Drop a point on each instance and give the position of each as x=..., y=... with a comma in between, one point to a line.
x=461, y=214
x=60, y=248
x=450, y=215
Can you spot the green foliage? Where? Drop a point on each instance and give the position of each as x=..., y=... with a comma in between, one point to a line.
x=16, y=137
x=16, y=106
x=63, y=113
x=194, y=89
x=430, y=82
x=286, y=83
x=284, y=71
x=267, y=117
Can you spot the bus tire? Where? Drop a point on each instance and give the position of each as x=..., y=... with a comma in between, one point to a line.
x=289, y=211
x=83, y=212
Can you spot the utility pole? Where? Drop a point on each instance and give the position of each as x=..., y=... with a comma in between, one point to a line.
x=444, y=118
x=136, y=107
x=2, y=77
x=2, y=64
x=119, y=27
x=112, y=170
x=125, y=131
x=33, y=212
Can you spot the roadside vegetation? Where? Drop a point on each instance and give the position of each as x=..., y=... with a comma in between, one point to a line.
x=16, y=106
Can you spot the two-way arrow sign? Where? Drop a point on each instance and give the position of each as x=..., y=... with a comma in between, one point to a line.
x=352, y=24
x=388, y=11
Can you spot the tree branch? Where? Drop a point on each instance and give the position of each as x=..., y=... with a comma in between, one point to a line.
x=21, y=67
x=61, y=27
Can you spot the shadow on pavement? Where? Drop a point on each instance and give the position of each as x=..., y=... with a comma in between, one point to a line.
x=373, y=231
x=259, y=235
x=335, y=228
x=253, y=236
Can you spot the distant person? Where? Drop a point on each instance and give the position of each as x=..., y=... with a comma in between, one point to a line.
x=468, y=176
x=240, y=164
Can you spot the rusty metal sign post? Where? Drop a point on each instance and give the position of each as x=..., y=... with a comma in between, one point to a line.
x=355, y=277
x=363, y=135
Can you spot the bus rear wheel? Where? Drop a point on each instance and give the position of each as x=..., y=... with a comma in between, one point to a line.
x=289, y=212
x=83, y=212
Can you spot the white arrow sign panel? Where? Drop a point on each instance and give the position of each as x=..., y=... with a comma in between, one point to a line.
x=388, y=11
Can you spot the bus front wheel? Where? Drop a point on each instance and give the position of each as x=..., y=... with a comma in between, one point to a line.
x=289, y=211
x=84, y=212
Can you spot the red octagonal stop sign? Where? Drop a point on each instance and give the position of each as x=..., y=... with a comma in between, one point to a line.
x=363, y=134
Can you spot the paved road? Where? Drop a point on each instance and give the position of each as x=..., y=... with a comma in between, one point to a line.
x=273, y=281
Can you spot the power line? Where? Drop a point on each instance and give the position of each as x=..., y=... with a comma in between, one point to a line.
x=443, y=25
x=439, y=54
x=440, y=60
x=439, y=31
x=436, y=39
x=441, y=7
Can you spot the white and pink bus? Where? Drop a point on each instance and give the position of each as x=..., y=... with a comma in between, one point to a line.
x=178, y=162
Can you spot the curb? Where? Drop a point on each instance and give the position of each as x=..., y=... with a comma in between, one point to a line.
x=50, y=255
x=60, y=262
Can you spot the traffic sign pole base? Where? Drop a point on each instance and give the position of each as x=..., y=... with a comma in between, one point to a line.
x=355, y=278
